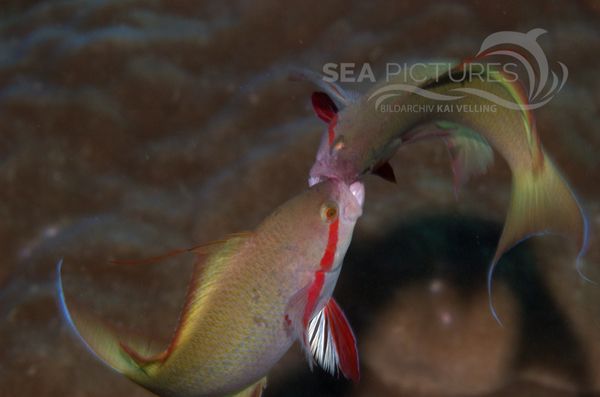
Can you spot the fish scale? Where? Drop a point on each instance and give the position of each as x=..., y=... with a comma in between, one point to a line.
x=246, y=302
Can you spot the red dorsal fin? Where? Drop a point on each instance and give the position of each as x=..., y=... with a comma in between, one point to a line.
x=332, y=341
x=385, y=171
x=324, y=106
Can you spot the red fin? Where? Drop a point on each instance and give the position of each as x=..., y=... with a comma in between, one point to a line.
x=332, y=89
x=332, y=341
x=385, y=171
x=345, y=341
x=324, y=106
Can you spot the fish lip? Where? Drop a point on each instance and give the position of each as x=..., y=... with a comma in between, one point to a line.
x=354, y=208
x=313, y=180
x=357, y=189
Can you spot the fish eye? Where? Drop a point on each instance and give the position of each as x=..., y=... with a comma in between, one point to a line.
x=329, y=212
x=338, y=144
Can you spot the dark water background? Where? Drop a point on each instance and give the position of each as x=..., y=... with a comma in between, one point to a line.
x=128, y=128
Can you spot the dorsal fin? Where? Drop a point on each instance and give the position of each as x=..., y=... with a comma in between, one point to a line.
x=333, y=90
x=200, y=249
x=205, y=271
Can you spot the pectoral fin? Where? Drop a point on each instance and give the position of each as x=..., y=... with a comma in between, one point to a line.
x=332, y=342
x=470, y=152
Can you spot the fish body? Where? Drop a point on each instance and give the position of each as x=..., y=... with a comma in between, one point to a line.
x=251, y=297
x=367, y=135
x=362, y=136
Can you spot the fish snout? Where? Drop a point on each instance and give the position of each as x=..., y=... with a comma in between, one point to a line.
x=358, y=191
x=353, y=205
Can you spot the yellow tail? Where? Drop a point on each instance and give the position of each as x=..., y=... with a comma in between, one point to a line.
x=541, y=203
x=101, y=340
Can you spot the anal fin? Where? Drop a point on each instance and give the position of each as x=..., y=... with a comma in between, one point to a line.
x=332, y=342
x=254, y=390
x=386, y=172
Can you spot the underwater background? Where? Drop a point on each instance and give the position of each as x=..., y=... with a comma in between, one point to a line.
x=129, y=128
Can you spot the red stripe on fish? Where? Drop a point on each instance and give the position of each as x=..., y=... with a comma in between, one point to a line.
x=332, y=240
x=326, y=263
x=331, y=130
x=313, y=295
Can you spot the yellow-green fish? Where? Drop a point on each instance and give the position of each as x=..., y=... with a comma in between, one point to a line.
x=251, y=296
x=362, y=137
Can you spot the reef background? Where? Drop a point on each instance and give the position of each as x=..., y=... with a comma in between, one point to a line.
x=128, y=128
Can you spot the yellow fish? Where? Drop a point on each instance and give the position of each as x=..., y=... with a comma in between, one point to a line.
x=251, y=296
x=363, y=135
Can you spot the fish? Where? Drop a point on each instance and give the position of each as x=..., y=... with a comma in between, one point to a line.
x=252, y=295
x=361, y=139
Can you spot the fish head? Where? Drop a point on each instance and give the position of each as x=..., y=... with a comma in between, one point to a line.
x=348, y=146
x=335, y=161
x=339, y=201
x=320, y=220
x=339, y=207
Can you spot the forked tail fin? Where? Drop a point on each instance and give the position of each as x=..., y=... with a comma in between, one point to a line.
x=541, y=203
x=101, y=340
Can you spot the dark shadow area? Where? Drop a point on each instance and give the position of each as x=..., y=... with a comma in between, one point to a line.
x=456, y=249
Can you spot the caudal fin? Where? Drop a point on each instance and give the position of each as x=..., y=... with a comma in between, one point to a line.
x=101, y=339
x=541, y=203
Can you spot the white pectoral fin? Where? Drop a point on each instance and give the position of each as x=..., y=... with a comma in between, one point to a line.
x=332, y=342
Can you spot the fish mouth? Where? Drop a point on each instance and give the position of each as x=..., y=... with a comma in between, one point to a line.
x=354, y=204
x=358, y=191
x=313, y=180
